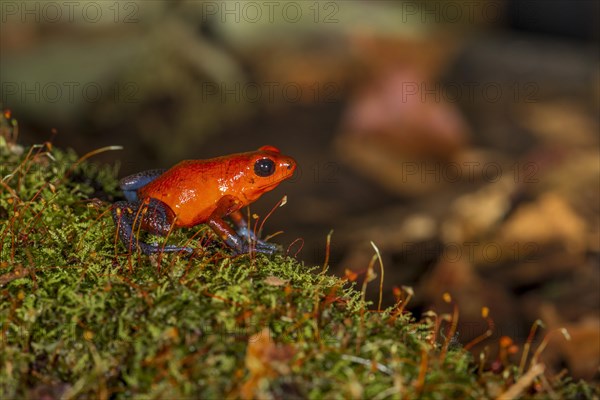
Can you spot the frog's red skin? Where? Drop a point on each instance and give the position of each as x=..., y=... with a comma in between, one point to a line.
x=199, y=191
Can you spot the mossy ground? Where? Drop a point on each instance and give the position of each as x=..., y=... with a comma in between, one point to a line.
x=81, y=317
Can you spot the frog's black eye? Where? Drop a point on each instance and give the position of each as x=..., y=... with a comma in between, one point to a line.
x=264, y=167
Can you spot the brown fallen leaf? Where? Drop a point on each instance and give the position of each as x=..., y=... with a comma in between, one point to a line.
x=561, y=122
x=398, y=125
x=475, y=215
x=275, y=281
x=264, y=359
x=549, y=220
x=397, y=112
x=582, y=352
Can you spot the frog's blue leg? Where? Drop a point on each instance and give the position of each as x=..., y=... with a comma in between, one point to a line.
x=242, y=230
x=234, y=241
x=132, y=183
x=153, y=216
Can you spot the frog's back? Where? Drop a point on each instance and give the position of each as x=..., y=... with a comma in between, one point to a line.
x=190, y=189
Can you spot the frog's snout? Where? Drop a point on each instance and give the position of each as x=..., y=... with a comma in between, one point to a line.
x=289, y=164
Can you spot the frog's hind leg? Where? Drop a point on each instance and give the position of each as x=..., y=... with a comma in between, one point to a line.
x=132, y=183
x=152, y=216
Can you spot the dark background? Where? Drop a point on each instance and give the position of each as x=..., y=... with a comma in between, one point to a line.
x=460, y=137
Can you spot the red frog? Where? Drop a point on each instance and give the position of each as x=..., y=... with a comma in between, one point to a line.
x=200, y=192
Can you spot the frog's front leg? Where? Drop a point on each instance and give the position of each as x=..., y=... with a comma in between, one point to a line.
x=242, y=230
x=234, y=241
x=229, y=205
x=152, y=216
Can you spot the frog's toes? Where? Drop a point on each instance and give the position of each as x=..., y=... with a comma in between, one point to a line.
x=266, y=248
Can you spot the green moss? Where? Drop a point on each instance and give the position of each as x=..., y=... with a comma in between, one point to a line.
x=81, y=317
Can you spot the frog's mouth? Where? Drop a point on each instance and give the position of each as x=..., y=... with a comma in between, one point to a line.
x=274, y=183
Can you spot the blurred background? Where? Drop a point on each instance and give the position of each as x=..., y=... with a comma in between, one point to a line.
x=461, y=137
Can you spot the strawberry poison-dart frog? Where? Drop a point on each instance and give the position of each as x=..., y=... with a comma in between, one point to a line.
x=200, y=191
